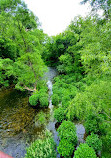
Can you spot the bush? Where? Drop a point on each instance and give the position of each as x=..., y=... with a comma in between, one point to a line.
x=59, y=114
x=94, y=142
x=84, y=151
x=67, y=130
x=55, y=99
x=107, y=142
x=43, y=148
x=65, y=100
x=43, y=93
x=44, y=102
x=40, y=97
x=95, y=124
x=33, y=99
x=67, y=133
x=65, y=148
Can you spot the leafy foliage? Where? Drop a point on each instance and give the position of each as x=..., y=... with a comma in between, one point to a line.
x=96, y=124
x=64, y=89
x=59, y=114
x=82, y=56
x=68, y=138
x=33, y=99
x=84, y=151
x=96, y=97
x=40, y=98
x=96, y=53
x=21, y=44
x=65, y=148
x=67, y=130
x=42, y=148
x=55, y=99
x=101, y=4
x=94, y=142
x=83, y=87
x=107, y=143
x=62, y=51
x=40, y=118
x=44, y=102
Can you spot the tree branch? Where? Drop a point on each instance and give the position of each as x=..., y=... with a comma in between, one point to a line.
x=29, y=89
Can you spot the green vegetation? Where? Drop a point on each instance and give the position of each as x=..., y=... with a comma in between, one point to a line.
x=55, y=99
x=105, y=5
x=106, y=141
x=39, y=98
x=21, y=46
x=82, y=89
x=68, y=138
x=84, y=151
x=65, y=148
x=41, y=118
x=67, y=130
x=42, y=147
x=33, y=99
x=94, y=142
x=96, y=124
x=59, y=114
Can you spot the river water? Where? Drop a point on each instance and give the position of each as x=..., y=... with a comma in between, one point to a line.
x=19, y=123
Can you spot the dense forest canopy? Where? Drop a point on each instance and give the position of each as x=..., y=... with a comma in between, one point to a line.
x=21, y=45
x=82, y=55
x=82, y=89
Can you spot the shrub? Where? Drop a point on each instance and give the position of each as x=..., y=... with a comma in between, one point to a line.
x=40, y=97
x=84, y=151
x=44, y=102
x=65, y=148
x=43, y=148
x=43, y=93
x=95, y=124
x=59, y=114
x=55, y=99
x=67, y=130
x=33, y=99
x=107, y=142
x=67, y=133
x=65, y=100
x=94, y=142
x=43, y=97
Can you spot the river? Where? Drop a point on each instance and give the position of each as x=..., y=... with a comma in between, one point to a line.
x=19, y=123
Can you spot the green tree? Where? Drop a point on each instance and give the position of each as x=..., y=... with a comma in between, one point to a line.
x=22, y=42
x=100, y=4
x=61, y=51
x=28, y=70
x=96, y=98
